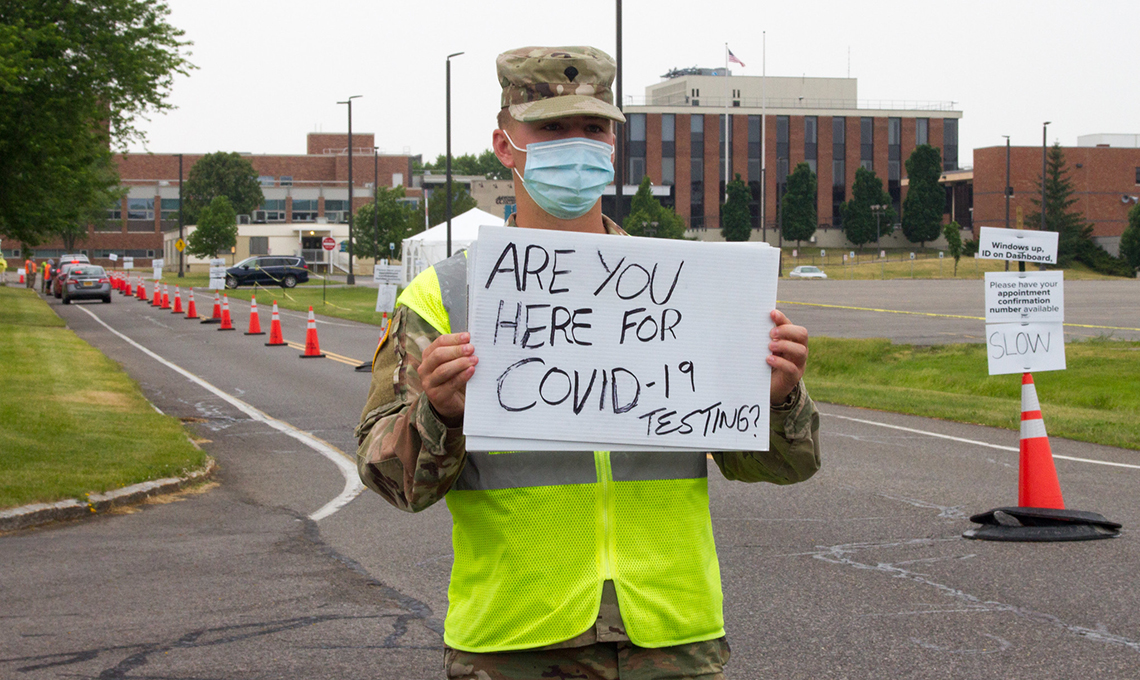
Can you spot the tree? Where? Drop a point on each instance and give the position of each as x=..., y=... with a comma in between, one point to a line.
x=953, y=234
x=1074, y=240
x=1130, y=240
x=392, y=222
x=485, y=164
x=736, y=218
x=461, y=202
x=798, y=205
x=647, y=217
x=221, y=174
x=859, y=221
x=74, y=77
x=925, y=197
x=217, y=229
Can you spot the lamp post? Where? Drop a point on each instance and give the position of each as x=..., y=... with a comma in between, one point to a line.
x=180, y=235
x=878, y=210
x=448, y=211
x=1008, y=190
x=350, y=279
x=619, y=128
x=375, y=204
x=1044, y=156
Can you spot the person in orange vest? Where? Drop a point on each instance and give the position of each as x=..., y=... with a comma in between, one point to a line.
x=30, y=273
x=47, y=276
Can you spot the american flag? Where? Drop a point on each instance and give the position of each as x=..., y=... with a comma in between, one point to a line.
x=732, y=58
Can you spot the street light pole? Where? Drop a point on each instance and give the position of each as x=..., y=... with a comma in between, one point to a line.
x=1007, y=188
x=350, y=279
x=1044, y=154
x=375, y=204
x=619, y=128
x=448, y=211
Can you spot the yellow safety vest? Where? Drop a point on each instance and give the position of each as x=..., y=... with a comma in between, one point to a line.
x=536, y=534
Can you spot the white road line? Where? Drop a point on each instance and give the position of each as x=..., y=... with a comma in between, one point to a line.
x=976, y=442
x=352, y=485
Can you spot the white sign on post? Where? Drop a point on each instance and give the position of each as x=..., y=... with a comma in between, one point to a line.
x=113, y=257
x=1025, y=347
x=589, y=333
x=1025, y=296
x=158, y=262
x=386, y=297
x=386, y=273
x=217, y=274
x=157, y=273
x=1017, y=245
x=128, y=262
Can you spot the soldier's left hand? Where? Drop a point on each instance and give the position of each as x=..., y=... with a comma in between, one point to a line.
x=788, y=345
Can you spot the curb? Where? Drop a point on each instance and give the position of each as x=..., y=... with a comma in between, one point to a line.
x=41, y=513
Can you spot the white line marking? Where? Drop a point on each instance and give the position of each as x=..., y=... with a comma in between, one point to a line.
x=976, y=442
x=352, y=485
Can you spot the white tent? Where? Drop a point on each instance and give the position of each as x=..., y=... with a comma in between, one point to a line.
x=430, y=246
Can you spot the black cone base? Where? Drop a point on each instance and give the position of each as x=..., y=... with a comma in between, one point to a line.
x=1041, y=525
x=366, y=367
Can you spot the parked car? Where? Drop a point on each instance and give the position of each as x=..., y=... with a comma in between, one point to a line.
x=86, y=282
x=806, y=271
x=59, y=276
x=73, y=257
x=268, y=270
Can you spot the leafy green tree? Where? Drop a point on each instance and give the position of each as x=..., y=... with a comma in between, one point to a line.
x=736, y=218
x=859, y=221
x=221, y=174
x=953, y=234
x=1130, y=240
x=925, y=197
x=485, y=164
x=461, y=202
x=798, y=205
x=647, y=217
x=74, y=78
x=1074, y=241
x=392, y=222
x=216, y=230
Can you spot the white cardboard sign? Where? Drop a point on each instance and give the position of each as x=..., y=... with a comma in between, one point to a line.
x=217, y=274
x=590, y=341
x=1025, y=347
x=128, y=262
x=1017, y=245
x=158, y=262
x=387, y=273
x=113, y=257
x=386, y=297
x=1025, y=296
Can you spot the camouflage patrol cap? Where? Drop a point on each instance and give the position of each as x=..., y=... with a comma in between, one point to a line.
x=543, y=83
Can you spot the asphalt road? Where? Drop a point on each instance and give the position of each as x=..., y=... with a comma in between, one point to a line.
x=859, y=572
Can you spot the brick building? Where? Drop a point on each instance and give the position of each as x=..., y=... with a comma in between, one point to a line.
x=676, y=135
x=306, y=199
x=1104, y=169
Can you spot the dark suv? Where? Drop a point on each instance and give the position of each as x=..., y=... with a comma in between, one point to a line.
x=268, y=270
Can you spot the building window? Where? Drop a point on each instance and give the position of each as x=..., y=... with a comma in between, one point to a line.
x=258, y=245
x=336, y=210
x=668, y=148
x=140, y=209
x=170, y=208
x=668, y=171
x=273, y=210
x=635, y=147
x=782, y=155
x=921, y=131
x=304, y=211
x=949, y=144
x=894, y=161
x=838, y=190
x=115, y=212
x=867, y=143
x=725, y=134
x=286, y=180
x=1138, y=175
x=266, y=180
x=811, y=140
x=697, y=171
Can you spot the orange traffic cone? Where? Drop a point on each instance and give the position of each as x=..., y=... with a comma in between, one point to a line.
x=216, y=317
x=254, y=321
x=157, y=301
x=21, y=281
x=312, y=346
x=177, y=301
x=227, y=323
x=191, y=309
x=127, y=288
x=275, y=338
x=142, y=290
x=1037, y=485
x=165, y=297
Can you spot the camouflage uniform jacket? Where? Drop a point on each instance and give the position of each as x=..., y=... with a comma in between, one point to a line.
x=407, y=455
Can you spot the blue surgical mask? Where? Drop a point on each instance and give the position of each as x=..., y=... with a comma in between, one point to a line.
x=566, y=177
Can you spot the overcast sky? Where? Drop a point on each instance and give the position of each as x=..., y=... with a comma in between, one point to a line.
x=270, y=71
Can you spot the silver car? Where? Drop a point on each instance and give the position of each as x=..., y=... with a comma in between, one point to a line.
x=806, y=271
x=86, y=282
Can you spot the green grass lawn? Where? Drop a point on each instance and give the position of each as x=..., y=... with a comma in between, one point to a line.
x=72, y=421
x=1095, y=399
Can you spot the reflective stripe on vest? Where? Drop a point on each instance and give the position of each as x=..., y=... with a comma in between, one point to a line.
x=536, y=534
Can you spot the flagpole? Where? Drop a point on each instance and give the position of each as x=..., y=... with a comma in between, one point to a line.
x=763, y=138
x=725, y=138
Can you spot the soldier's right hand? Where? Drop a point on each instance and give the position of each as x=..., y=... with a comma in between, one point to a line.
x=447, y=364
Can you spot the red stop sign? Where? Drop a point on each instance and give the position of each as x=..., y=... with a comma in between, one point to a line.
x=328, y=243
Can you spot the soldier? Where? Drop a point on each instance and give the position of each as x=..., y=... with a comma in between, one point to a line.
x=553, y=577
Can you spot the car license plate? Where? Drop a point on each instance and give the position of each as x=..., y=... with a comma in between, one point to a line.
x=88, y=284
